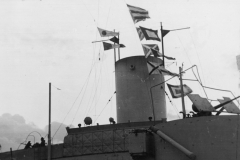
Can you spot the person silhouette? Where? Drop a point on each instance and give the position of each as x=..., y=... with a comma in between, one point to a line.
x=28, y=145
x=42, y=142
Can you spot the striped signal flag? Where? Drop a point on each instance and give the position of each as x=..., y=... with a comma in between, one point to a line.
x=138, y=14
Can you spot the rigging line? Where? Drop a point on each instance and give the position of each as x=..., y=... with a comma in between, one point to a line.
x=100, y=87
x=80, y=103
x=73, y=104
x=95, y=93
x=196, y=53
x=96, y=88
x=197, y=73
x=221, y=90
x=56, y=87
x=91, y=92
x=105, y=106
x=176, y=110
x=90, y=13
x=184, y=48
x=211, y=87
x=94, y=64
x=200, y=82
x=108, y=12
x=77, y=96
x=151, y=97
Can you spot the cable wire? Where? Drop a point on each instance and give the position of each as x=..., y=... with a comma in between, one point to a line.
x=105, y=107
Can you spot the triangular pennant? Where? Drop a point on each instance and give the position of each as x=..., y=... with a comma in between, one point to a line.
x=164, y=32
x=108, y=46
x=105, y=33
x=114, y=39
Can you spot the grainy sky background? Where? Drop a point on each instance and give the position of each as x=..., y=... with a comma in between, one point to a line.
x=44, y=41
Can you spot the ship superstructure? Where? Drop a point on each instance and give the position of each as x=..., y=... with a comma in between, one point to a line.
x=141, y=130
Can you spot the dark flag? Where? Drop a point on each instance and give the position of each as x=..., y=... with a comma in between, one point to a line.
x=150, y=34
x=138, y=14
x=108, y=46
x=105, y=33
x=140, y=34
x=114, y=39
x=176, y=90
x=164, y=32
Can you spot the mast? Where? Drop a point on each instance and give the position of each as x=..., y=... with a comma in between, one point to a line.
x=49, y=125
x=182, y=95
x=162, y=45
x=114, y=50
x=119, y=47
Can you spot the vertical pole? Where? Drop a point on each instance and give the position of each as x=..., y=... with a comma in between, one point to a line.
x=49, y=125
x=11, y=153
x=162, y=45
x=114, y=51
x=119, y=48
x=182, y=95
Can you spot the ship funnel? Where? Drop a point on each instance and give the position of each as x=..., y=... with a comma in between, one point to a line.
x=133, y=96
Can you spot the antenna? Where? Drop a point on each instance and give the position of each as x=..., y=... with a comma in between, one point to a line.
x=238, y=65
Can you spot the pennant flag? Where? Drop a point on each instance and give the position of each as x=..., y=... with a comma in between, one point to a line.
x=176, y=90
x=150, y=34
x=138, y=14
x=164, y=32
x=140, y=34
x=158, y=54
x=154, y=68
x=202, y=104
x=169, y=58
x=114, y=39
x=230, y=107
x=105, y=33
x=108, y=46
x=147, y=49
x=166, y=72
x=122, y=46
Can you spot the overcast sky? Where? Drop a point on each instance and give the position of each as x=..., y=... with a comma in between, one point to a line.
x=44, y=41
